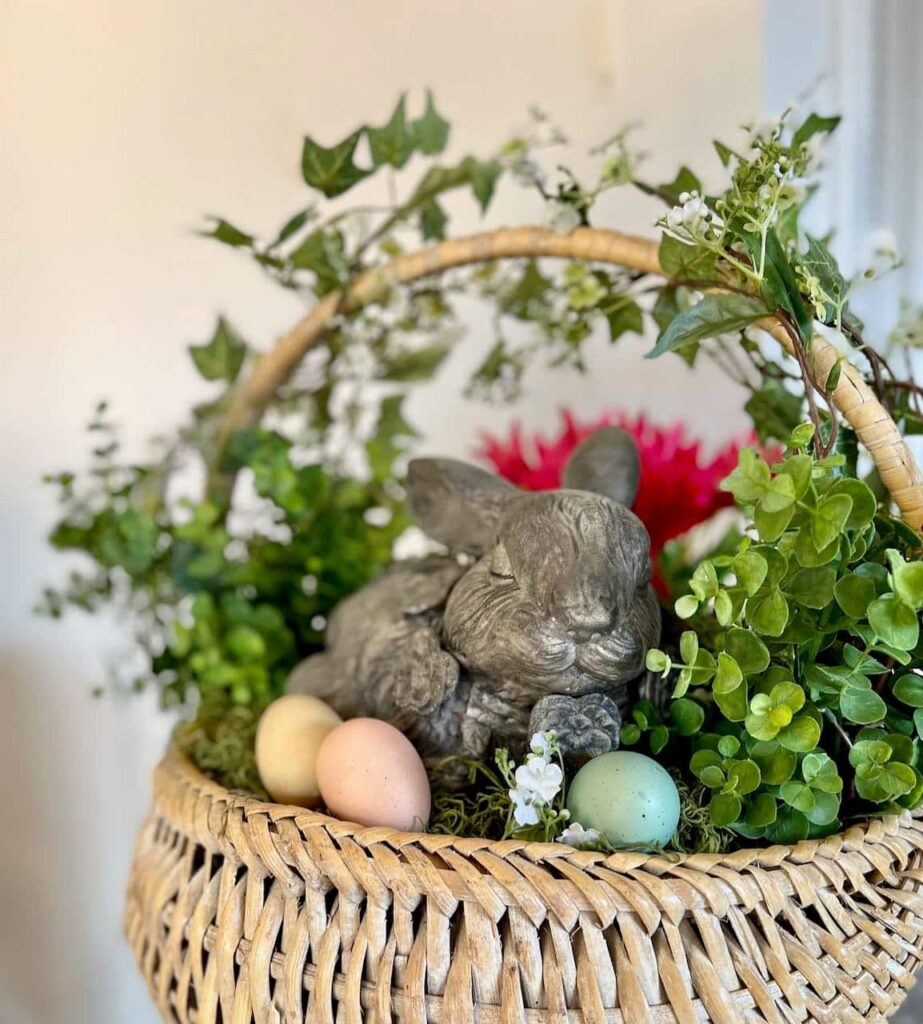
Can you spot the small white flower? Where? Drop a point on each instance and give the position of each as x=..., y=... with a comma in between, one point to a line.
x=540, y=777
x=525, y=811
x=578, y=836
x=690, y=215
x=541, y=744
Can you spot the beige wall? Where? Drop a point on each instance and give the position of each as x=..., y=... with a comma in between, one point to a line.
x=122, y=123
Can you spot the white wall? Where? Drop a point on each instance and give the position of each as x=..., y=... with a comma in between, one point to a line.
x=122, y=123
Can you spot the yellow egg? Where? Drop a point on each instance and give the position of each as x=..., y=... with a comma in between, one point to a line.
x=288, y=737
x=370, y=773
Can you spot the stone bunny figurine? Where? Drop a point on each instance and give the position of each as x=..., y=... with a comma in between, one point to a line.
x=543, y=630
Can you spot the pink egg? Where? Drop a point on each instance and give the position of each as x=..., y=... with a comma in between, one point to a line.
x=370, y=773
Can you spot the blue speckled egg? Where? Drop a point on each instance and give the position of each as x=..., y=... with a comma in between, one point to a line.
x=630, y=798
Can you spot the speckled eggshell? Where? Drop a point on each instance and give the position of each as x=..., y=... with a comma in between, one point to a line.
x=630, y=798
x=370, y=773
x=288, y=738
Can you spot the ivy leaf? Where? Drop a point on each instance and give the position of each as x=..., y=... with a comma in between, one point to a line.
x=625, y=317
x=814, y=124
x=393, y=143
x=430, y=132
x=323, y=253
x=525, y=298
x=484, y=175
x=775, y=411
x=819, y=261
x=292, y=226
x=681, y=262
x=226, y=233
x=433, y=220
x=714, y=315
x=332, y=170
x=780, y=286
x=724, y=152
x=685, y=181
x=222, y=357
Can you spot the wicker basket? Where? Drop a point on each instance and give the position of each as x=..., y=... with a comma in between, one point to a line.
x=241, y=911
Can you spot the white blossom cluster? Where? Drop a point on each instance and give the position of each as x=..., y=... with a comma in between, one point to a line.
x=582, y=838
x=538, y=780
x=691, y=220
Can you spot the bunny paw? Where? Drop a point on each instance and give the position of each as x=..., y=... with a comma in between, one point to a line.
x=585, y=726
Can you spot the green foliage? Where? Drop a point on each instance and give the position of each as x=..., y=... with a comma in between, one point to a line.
x=224, y=611
x=809, y=681
x=796, y=693
x=714, y=315
x=222, y=357
x=331, y=170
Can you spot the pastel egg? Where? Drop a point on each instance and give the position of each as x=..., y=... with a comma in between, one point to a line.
x=630, y=798
x=288, y=738
x=370, y=773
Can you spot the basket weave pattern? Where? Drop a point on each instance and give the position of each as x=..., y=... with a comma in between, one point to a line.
x=243, y=911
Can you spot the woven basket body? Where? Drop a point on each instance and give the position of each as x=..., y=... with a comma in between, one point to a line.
x=241, y=911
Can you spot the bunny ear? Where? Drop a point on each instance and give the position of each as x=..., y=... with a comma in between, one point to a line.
x=606, y=463
x=456, y=503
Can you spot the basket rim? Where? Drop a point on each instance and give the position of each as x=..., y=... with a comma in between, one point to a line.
x=881, y=839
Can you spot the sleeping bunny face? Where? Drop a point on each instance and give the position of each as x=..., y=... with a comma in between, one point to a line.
x=578, y=557
x=559, y=600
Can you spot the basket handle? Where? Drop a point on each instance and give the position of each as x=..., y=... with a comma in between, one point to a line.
x=852, y=396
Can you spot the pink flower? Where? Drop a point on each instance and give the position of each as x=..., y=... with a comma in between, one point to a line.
x=678, y=489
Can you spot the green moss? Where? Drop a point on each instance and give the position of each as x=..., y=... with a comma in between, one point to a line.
x=221, y=741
